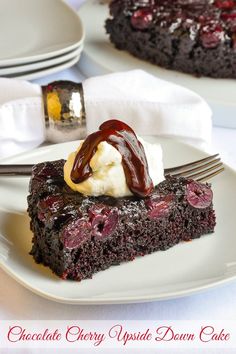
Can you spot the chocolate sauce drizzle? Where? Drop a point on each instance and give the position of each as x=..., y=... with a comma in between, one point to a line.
x=134, y=161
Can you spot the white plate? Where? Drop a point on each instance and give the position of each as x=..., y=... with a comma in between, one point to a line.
x=100, y=57
x=182, y=270
x=41, y=64
x=35, y=74
x=34, y=30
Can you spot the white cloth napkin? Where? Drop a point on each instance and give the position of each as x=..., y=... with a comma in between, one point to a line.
x=149, y=105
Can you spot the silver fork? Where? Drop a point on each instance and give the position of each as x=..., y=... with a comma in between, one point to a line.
x=200, y=170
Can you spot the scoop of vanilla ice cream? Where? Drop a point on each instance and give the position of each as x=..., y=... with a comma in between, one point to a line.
x=108, y=177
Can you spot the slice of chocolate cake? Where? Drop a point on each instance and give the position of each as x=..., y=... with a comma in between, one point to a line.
x=77, y=236
x=193, y=36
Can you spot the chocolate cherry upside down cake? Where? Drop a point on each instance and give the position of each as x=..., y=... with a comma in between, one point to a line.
x=193, y=36
x=110, y=203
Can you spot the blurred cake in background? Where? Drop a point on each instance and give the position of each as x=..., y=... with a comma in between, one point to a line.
x=192, y=36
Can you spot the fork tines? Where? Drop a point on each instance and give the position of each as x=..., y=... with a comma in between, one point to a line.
x=200, y=170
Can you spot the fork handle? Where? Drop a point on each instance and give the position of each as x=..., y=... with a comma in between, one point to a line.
x=15, y=170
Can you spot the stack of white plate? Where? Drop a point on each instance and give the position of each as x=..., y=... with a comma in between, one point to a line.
x=38, y=38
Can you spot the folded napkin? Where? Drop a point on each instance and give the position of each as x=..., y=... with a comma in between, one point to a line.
x=149, y=105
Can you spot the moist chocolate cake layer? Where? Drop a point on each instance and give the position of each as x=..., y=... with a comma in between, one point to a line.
x=77, y=236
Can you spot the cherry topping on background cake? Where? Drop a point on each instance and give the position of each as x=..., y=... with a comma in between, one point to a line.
x=103, y=220
x=199, y=195
x=142, y=18
x=228, y=16
x=225, y=4
x=211, y=35
x=76, y=233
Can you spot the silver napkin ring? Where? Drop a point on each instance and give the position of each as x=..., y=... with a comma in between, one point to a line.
x=64, y=109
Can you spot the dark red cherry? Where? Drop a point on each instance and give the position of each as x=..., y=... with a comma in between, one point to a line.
x=76, y=233
x=141, y=19
x=103, y=220
x=44, y=173
x=211, y=36
x=158, y=206
x=46, y=170
x=231, y=16
x=110, y=223
x=199, y=195
x=210, y=40
x=51, y=203
x=48, y=206
x=224, y=4
x=95, y=210
x=204, y=19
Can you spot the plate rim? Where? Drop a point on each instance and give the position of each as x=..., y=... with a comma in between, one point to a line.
x=18, y=69
x=173, y=294
x=117, y=300
x=36, y=74
x=33, y=58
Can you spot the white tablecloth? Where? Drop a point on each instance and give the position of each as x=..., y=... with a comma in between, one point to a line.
x=220, y=303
